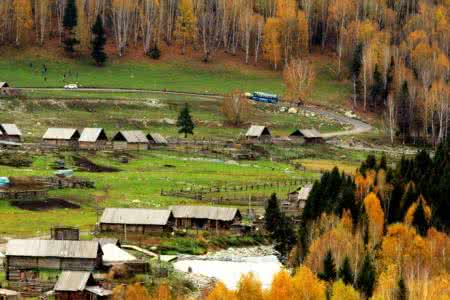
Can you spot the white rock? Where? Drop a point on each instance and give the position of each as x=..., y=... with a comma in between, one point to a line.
x=293, y=110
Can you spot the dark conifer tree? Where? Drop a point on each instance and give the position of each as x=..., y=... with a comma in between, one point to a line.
x=284, y=235
x=272, y=216
x=98, y=44
x=366, y=277
x=329, y=268
x=403, y=112
x=419, y=220
x=402, y=290
x=377, y=89
x=345, y=271
x=355, y=69
x=69, y=24
x=185, y=123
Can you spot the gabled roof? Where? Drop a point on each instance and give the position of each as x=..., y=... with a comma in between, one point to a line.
x=257, y=131
x=205, y=212
x=91, y=134
x=115, y=255
x=307, y=133
x=61, y=134
x=131, y=136
x=72, y=281
x=53, y=248
x=3, y=84
x=10, y=129
x=157, y=138
x=303, y=194
x=135, y=216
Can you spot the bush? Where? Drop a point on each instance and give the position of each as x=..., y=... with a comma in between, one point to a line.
x=154, y=52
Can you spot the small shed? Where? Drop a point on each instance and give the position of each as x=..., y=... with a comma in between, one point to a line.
x=10, y=133
x=78, y=285
x=61, y=137
x=4, y=86
x=9, y=295
x=156, y=139
x=259, y=133
x=298, y=198
x=23, y=255
x=65, y=233
x=136, y=220
x=93, y=139
x=309, y=136
x=205, y=217
x=130, y=140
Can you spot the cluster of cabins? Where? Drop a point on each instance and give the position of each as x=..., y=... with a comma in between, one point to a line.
x=96, y=139
x=262, y=134
x=139, y=220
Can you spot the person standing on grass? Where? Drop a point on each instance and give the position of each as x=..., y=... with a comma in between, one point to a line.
x=185, y=123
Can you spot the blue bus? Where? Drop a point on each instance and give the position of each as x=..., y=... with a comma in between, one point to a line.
x=264, y=97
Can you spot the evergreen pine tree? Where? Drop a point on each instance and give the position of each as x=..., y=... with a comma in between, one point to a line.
x=284, y=235
x=383, y=163
x=403, y=111
x=98, y=44
x=272, y=215
x=355, y=70
x=419, y=220
x=345, y=271
x=389, y=78
x=185, y=123
x=377, y=89
x=366, y=277
x=402, y=291
x=69, y=23
x=329, y=268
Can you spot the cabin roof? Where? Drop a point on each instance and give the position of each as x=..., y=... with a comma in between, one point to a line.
x=307, y=133
x=91, y=134
x=257, y=131
x=10, y=129
x=131, y=136
x=60, y=133
x=205, y=212
x=53, y=248
x=72, y=281
x=135, y=216
x=157, y=138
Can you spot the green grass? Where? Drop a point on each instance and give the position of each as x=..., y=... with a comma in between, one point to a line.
x=27, y=70
x=138, y=185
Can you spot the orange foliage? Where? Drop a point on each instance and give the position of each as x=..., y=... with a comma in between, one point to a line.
x=221, y=292
x=307, y=286
x=282, y=287
x=249, y=288
x=376, y=218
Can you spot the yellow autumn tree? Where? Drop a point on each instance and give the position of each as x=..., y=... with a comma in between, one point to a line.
x=281, y=288
x=272, y=41
x=185, y=23
x=162, y=292
x=306, y=285
x=24, y=20
x=249, y=288
x=299, y=78
x=387, y=283
x=409, y=217
x=221, y=292
x=340, y=291
x=375, y=213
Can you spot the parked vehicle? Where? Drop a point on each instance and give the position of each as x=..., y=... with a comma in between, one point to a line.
x=72, y=86
x=264, y=97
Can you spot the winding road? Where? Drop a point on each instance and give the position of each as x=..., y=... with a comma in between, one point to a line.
x=358, y=126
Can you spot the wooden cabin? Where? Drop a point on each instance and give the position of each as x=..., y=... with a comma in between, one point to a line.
x=260, y=134
x=205, y=217
x=136, y=220
x=93, y=139
x=75, y=285
x=308, y=136
x=10, y=133
x=4, y=87
x=155, y=139
x=61, y=137
x=9, y=295
x=24, y=255
x=130, y=140
x=297, y=199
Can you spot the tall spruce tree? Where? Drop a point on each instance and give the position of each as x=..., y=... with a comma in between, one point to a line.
x=98, y=43
x=403, y=112
x=366, y=277
x=355, y=70
x=377, y=89
x=402, y=290
x=329, y=268
x=419, y=220
x=345, y=271
x=284, y=235
x=185, y=123
x=69, y=23
x=272, y=216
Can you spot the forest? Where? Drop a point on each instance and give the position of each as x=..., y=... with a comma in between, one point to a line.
x=394, y=53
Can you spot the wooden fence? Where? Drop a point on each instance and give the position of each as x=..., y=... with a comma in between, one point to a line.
x=204, y=193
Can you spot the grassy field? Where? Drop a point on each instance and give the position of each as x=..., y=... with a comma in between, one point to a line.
x=138, y=185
